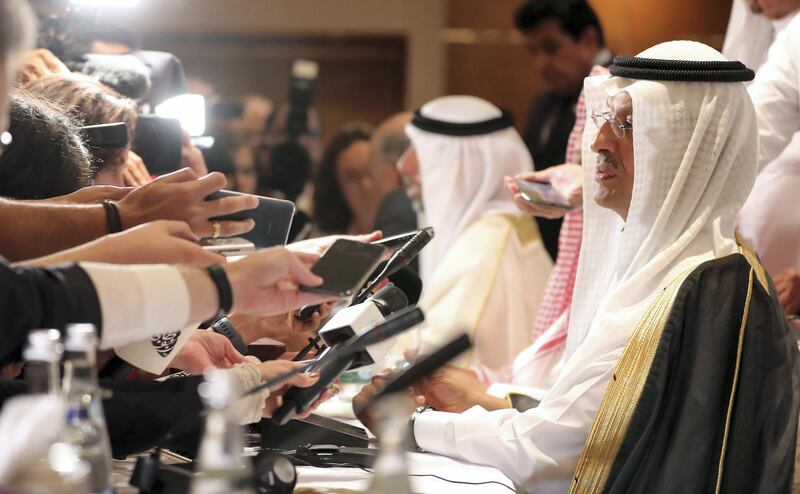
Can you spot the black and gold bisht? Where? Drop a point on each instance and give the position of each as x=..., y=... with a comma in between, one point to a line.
x=705, y=395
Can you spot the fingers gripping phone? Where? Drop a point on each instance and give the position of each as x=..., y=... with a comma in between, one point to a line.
x=345, y=267
x=542, y=194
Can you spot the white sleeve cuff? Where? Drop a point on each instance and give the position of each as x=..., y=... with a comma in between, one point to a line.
x=138, y=302
x=434, y=432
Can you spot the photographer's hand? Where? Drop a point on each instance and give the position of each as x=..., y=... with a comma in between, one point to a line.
x=181, y=196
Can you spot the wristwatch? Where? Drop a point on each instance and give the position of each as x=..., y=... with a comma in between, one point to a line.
x=411, y=420
x=225, y=327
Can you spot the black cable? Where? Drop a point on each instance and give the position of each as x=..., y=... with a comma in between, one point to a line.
x=487, y=482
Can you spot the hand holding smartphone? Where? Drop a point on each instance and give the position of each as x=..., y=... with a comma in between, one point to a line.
x=542, y=194
x=345, y=267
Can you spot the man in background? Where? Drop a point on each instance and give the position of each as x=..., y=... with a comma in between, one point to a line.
x=389, y=142
x=566, y=40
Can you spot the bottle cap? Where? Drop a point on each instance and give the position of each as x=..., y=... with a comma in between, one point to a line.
x=44, y=345
x=219, y=389
x=80, y=337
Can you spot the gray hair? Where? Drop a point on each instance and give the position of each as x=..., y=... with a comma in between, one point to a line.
x=17, y=28
x=390, y=146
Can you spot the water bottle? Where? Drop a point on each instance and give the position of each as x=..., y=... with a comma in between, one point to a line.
x=221, y=465
x=85, y=422
x=391, y=465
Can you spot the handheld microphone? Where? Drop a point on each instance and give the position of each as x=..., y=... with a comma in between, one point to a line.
x=400, y=259
x=422, y=369
x=338, y=360
x=409, y=251
x=124, y=73
x=354, y=320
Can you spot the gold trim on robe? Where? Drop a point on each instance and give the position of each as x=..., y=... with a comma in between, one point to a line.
x=625, y=389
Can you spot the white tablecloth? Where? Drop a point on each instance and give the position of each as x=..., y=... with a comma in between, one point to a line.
x=419, y=464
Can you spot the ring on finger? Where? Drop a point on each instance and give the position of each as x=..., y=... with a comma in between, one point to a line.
x=216, y=229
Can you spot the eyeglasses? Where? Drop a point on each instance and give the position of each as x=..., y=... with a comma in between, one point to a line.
x=607, y=117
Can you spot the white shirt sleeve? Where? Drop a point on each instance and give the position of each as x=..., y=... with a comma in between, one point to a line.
x=539, y=448
x=775, y=94
x=138, y=302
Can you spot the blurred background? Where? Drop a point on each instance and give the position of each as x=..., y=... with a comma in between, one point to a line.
x=378, y=57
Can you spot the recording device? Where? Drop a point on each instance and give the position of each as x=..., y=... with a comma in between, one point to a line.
x=345, y=266
x=105, y=136
x=273, y=473
x=314, y=429
x=125, y=74
x=292, y=133
x=400, y=259
x=541, y=193
x=159, y=142
x=395, y=240
x=339, y=359
x=273, y=218
x=355, y=320
x=301, y=96
x=423, y=368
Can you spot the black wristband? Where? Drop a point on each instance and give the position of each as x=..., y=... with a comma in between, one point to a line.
x=224, y=327
x=220, y=279
x=113, y=220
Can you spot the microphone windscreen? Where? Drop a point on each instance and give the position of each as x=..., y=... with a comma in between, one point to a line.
x=407, y=280
x=390, y=299
x=125, y=74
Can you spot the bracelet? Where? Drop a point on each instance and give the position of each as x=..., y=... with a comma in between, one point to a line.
x=225, y=327
x=411, y=420
x=113, y=220
x=220, y=279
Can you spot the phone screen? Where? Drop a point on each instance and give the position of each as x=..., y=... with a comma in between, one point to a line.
x=541, y=193
x=345, y=267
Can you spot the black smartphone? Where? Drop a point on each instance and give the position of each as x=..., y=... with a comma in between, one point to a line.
x=273, y=219
x=345, y=267
x=106, y=136
x=541, y=193
x=400, y=239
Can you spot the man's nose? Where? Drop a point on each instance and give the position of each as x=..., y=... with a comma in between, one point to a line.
x=605, y=139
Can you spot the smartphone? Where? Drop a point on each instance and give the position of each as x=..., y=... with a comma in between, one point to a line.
x=400, y=239
x=273, y=219
x=541, y=193
x=345, y=267
x=228, y=246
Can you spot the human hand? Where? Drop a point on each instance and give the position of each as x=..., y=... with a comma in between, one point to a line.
x=774, y=9
x=135, y=172
x=452, y=389
x=206, y=349
x=160, y=242
x=566, y=179
x=320, y=244
x=280, y=327
x=364, y=397
x=275, y=368
x=787, y=284
x=267, y=282
x=181, y=196
x=95, y=194
x=39, y=63
x=192, y=157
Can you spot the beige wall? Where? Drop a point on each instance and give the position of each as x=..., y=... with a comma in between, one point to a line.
x=419, y=20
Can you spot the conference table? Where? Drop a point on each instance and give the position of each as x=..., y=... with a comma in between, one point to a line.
x=430, y=474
